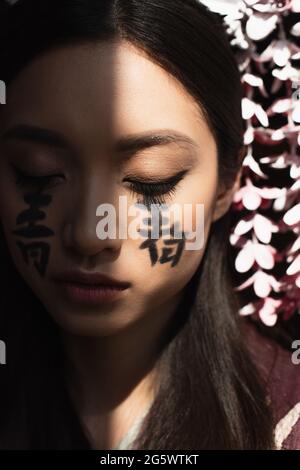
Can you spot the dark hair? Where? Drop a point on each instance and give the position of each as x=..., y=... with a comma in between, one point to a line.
x=210, y=395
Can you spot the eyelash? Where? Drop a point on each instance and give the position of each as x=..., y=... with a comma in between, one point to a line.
x=156, y=192
x=152, y=192
x=44, y=181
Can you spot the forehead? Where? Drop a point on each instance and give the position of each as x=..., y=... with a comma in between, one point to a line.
x=102, y=89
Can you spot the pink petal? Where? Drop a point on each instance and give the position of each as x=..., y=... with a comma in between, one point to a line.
x=237, y=196
x=253, y=80
x=271, y=193
x=288, y=72
x=296, y=29
x=252, y=163
x=261, y=115
x=258, y=27
x=248, y=108
x=233, y=239
x=245, y=258
x=278, y=135
x=222, y=7
x=296, y=6
x=280, y=203
x=269, y=319
x=292, y=216
x=249, y=136
x=243, y=227
x=280, y=161
x=251, y=200
x=247, y=310
x=294, y=268
x=266, y=55
x=281, y=53
x=246, y=284
x=295, y=246
x=261, y=285
x=264, y=256
x=262, y=228
x=275, y=286
x=295, y=172
x=296, y=113
x=281, y=105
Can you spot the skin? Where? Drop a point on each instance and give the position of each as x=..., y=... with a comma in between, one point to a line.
x=93, y=95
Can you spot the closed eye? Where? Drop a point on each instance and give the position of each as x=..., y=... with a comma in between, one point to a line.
x=156, y=192
x=24, y=179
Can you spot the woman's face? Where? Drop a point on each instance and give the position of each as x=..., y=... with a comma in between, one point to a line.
x=79, y=105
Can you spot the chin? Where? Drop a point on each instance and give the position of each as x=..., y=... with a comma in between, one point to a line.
x=83, y=323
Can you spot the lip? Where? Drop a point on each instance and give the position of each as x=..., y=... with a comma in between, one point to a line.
x=90, y=288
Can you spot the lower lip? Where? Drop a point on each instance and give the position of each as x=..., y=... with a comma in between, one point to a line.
x=92, y=294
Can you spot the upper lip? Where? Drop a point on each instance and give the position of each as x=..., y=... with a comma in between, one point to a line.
x=89, y=278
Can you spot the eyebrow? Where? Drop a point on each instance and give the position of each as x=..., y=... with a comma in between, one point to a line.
x=36, y=135
x=159, y=138
x=129, y=144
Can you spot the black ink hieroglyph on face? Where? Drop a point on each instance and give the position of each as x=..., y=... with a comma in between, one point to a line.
x=38, y=251
x=173, y=248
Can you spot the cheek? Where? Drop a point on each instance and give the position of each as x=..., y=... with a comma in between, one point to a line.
x=201, y=190
x=10, y=206
x=10, y=200
x=159, y=285
x=157, y=276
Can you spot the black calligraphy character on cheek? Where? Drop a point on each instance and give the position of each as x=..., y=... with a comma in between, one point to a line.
x=168, y=254
x=38, y=251
x=173, y=254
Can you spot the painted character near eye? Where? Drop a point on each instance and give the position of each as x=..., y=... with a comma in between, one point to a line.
x=38, y=251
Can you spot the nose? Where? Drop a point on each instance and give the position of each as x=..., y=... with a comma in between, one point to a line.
x=79, y=228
